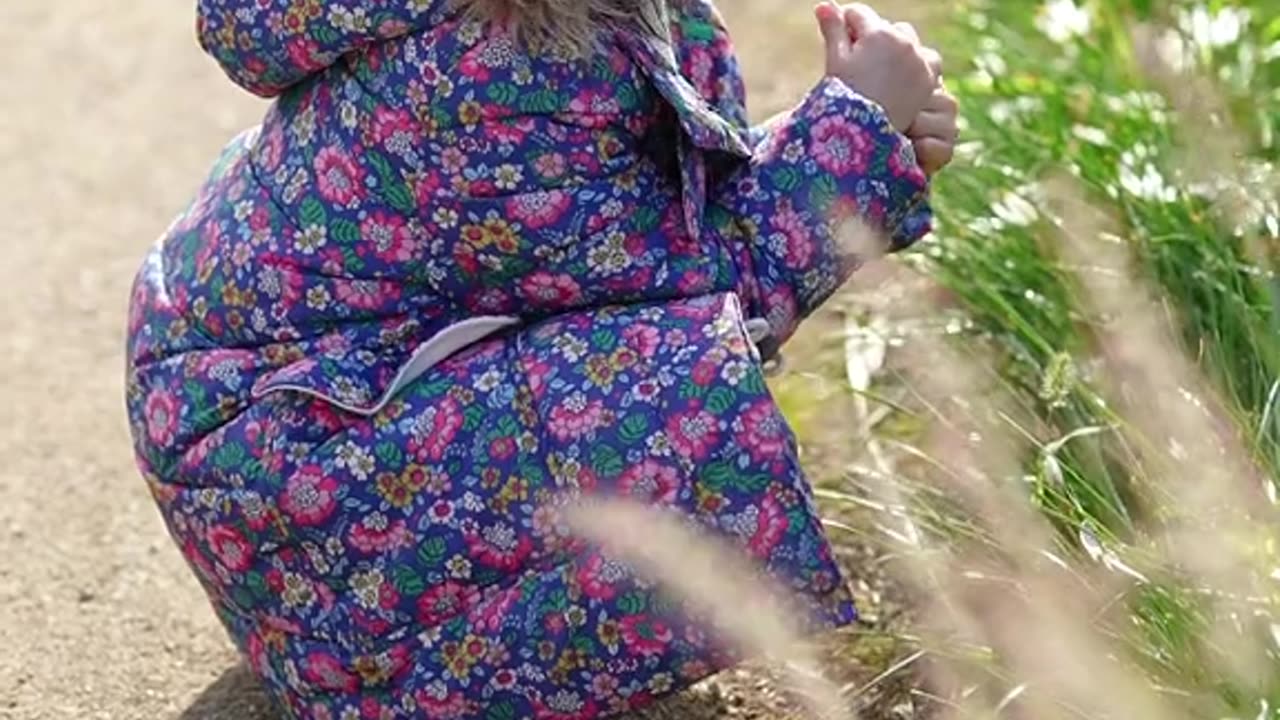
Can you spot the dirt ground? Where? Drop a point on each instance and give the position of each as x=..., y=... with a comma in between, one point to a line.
x=109, y=117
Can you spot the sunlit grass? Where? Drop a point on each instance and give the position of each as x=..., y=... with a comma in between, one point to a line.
x=1108, y=234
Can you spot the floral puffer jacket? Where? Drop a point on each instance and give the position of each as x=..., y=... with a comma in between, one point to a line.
x=448, y=282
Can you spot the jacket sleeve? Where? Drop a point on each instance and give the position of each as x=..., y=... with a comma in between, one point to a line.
x=707, y=58
x=829, y=184
x=267, y=46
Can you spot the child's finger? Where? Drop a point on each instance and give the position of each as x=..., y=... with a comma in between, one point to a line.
x=934, y=58
x=908, y=31
x=933, y=124
x=861, y=19
x=942, y=101
x=834, y=33
x=933, y=154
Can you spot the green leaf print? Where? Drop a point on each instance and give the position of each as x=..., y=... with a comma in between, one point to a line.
x=750, y=483
x=557, y=601
x=542, y=102
x=721, y=400
x=824, y=192
x=257, y=585
x=474, y=416
x=324, y=34
x=507, y=428
x=503, y=93
x=229, y=456
x=389, y=455
x=627, y=97
x=633, y=603
x=645, y=219
x=717, y=475
x=195, y=392
x=604, y=339
x=242, y=597
x=607, y=461
x=345, y=231
x=400, y=197
x=699, y=31
x=785, y=179
x=753, y=384
x=407, y=582
x=690, y=389
x=503, y=710
x=312, y=212
x=432, y=552
x=634, y=429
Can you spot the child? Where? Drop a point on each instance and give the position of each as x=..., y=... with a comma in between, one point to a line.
x=466, y=267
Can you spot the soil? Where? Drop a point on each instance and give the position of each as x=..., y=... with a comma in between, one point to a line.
x=109, y=118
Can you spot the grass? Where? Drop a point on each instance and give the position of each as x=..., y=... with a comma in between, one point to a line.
x=1082, y=492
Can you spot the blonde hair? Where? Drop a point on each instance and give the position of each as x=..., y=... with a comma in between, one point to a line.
x=575, y=25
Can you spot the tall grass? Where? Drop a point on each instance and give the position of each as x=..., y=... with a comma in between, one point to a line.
x=1077, y=475
x=1108, y=235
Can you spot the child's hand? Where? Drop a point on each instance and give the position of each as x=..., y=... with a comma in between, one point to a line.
x=935, y=130
x=883, y=61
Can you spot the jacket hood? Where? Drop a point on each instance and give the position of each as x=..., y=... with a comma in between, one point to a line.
x=267, y=46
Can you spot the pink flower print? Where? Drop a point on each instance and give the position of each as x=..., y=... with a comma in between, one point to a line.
x=511, y=132
x=231, y=548
x=426, y=186
x=395, y=129
x=305, y=54
x=257, y=652
x=445, y=602
x=364, y=294
x=505, y=679
x=594, y=105
x=645, y=636
x=503, y=448
x=340, y=178
x=577, y=417
x=652, y=482
x=551, y=165
x=390, y=237
x=192, y=552
x=764, y=431
x=162, y=417
x=308, y=497
x=499, y=546
x=644, y=339
x=701, y=69
x=545, y=290
x=538, y=372
x=771, y=526
x=272, y=150
x=903, y=163
x=325, y=672
x=841, y=146
x=489, y=615
x=795, y=227
x=376, y=534
x=537, y=210
x=435, y=430
x=599, y=578
x=473, y=65
x=694, y=433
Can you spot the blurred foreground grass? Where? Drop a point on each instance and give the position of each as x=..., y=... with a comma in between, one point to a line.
x=1074, y=438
